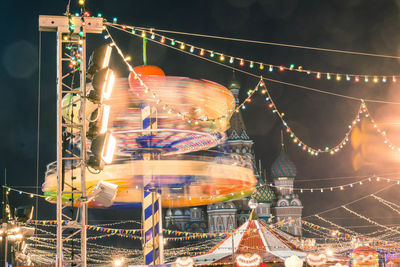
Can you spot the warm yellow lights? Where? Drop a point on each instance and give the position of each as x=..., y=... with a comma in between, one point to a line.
x=329, y=252
x=118, y=262
x=108, y=149
x=107, y=56
x=104, y=121
x=108, y=84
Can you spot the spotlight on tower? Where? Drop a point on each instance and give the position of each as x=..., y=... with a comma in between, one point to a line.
x=104, y=193
x=99, y=59
x=98, y=121
x=103, y=82
x=102, y=148
x=23, y=213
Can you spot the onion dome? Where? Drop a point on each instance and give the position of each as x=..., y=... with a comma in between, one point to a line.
x=263, y=194
x=283, y=167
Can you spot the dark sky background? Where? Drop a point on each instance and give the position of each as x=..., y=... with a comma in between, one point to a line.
x=319, y=120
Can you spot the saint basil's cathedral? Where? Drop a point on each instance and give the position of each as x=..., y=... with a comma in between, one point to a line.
x=274, y=203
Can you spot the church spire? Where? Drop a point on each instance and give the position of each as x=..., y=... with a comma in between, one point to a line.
x=234, y=87
x=237, y=130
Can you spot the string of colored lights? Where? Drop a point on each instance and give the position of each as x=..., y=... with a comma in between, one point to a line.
x=268, y=79
x=337, y=226
x=369, y=220
x=386, y=203
x=322, y=235
x=363, y=110
x=169, y=108
x=350, y=202
x=119, y=222
x=369, y=239
x=345, y=177
x=22, y=192
x=300, y=189
x=238, y=61
x=378, y=129
x=312, y=151
x=332, y=188
x=271, y=105
x=268, y=43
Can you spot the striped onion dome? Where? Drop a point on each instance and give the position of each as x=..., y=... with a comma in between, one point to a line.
x=283, y=167
x=263, y=194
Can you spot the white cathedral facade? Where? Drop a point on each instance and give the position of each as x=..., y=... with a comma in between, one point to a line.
x=273, y=205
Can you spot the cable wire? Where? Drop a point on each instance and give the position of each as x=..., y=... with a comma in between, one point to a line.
x=38, y=125
x=271, y=43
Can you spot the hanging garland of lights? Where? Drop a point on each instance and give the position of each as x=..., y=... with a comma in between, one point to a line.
x=179, y=233
x=337, y=226
x=340, y=187
x=312, y=151
x=369, y=220
x=345, y=235
x=251, y=64
x=169, y=108
x=387, y=203
x=363, y=110
x=271, y=105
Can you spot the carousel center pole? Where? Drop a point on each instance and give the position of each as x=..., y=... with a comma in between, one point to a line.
x=151, y=204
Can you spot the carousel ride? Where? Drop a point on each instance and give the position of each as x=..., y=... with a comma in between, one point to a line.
x=191, y=116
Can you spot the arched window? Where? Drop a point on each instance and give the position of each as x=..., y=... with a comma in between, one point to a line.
x=220, y=224
x=230, y=223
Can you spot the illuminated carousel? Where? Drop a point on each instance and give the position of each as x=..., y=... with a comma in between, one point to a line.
x=192, y=115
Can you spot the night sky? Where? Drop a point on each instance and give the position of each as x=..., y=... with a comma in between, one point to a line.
x=318, y=119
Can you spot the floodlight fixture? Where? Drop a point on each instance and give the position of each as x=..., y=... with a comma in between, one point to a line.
x=104, y=193
x=108, y=149
x=23, y=213
x=99, y=59
x=98, y=121
x=102, y=149
x=103, y=82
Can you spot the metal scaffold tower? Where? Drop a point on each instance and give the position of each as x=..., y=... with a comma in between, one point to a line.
x=71, y=33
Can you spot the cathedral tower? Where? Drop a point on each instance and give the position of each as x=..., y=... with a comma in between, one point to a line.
x=288, y=206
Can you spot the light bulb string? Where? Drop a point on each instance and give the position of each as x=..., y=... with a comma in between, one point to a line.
x=386, y=203
x=331, y=188
x=327, y=232
x=311, y=150
x=23, y=192
x=264, y=43
x=369, y=220
x=337, y=226
x=252, y=63
x=321, y=229
x=307, y=88
x=300, y=143
x=350, y=202
x=345, y=140
x=170, y=108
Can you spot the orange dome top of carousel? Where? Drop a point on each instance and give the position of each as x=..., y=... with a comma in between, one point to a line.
x=145, y=70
